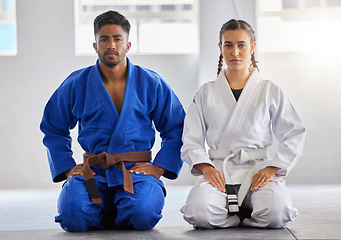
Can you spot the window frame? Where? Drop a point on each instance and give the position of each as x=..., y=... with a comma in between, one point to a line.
x=135, y=18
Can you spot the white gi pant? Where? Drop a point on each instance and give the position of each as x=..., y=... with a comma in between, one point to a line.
x=206, y=206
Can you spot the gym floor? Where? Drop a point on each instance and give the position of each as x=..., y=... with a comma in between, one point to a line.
x=29, y=214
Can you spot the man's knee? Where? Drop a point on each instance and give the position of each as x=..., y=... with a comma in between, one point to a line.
x=72, y=224
x=70, y=216
x=145, y=218
x=75, y=208
x=142, y=211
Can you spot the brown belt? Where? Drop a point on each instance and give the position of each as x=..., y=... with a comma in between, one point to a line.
x=105, y=161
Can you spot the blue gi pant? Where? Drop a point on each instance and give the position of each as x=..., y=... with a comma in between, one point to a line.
x=119, y=209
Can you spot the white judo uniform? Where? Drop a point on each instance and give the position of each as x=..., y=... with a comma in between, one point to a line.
x=238, y=135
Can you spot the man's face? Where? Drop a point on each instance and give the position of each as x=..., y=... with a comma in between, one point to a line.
x=111, y=45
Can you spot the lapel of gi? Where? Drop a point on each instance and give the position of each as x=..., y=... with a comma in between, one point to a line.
x=238, y=108
x=104, y=96
x=118, y=134
x=118, y=120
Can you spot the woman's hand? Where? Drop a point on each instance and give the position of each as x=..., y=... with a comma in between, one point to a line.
x=147, y=168
x=263, y=176
x=212, y=175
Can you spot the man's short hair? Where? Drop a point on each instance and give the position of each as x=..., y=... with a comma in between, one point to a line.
x=111, y=17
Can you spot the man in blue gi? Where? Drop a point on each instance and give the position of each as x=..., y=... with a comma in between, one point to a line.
x=117, y=106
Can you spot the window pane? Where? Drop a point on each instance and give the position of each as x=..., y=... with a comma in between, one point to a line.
x=143, y=8
x=85, y=38
x=290, y=4
x=133, y=36
x=312, y=3
x=167, y=7
x=8, y=28
x=285, y=35
x=330, y=32
x=270, y=5
x=167, y=37
x=333, y=3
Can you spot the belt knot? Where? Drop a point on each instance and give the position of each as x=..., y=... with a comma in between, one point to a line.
x=105, y=161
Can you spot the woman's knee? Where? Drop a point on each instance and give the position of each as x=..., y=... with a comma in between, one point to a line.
x=197, y=215
x=211, y=215
x=205, y=207
x=281, y=214
x=275, y=211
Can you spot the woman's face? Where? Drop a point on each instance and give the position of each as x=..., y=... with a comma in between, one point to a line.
x=236, y=48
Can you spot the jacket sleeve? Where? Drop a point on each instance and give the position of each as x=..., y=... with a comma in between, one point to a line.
x=289, y=132
x=56, y=123
x=193, y=150
x=168, y=116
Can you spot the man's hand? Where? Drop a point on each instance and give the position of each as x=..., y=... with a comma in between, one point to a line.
x=147, y=168
x=263, y=176
x=212, y=175
x=77, y=170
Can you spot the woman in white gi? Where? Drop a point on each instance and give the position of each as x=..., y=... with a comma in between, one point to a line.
x=237, y=116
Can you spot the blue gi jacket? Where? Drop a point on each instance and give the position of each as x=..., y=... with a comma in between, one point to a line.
x=82, y=98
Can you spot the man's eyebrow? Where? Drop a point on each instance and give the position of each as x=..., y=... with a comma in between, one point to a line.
x=107, y=36
x=118, y=35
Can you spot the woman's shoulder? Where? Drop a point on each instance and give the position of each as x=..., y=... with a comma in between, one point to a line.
x=205, y=90
x=272, y=89
x=273, y=86
x=207, y=86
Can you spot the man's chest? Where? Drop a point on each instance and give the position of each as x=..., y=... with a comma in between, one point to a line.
x=116, y=92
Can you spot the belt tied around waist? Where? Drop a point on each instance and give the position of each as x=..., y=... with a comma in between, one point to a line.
x=239, y=156
x=244, y=155
x=105, y=161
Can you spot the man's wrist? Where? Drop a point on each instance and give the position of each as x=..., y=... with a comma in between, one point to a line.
x=160, y=170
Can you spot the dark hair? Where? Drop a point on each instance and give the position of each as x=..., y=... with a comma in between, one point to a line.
x=111, y=17
x=234, y=24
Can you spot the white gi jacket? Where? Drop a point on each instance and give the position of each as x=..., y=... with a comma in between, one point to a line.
x=238, y=134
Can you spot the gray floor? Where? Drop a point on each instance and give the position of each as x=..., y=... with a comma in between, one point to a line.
x=29, y=214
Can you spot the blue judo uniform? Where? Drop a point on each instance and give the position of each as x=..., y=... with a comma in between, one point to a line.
x=148, y=104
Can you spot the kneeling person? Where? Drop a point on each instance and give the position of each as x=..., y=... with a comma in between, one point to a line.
x=117, y=106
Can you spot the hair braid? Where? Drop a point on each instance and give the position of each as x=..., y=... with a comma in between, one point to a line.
x=254, y=61
x=220, y=63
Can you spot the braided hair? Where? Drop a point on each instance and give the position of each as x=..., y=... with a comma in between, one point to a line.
x=234, y=24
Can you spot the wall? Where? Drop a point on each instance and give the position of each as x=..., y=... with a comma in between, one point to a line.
x=46, y=57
